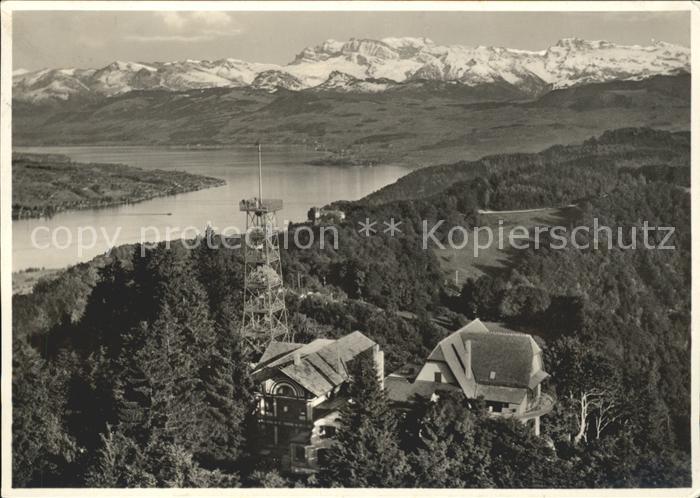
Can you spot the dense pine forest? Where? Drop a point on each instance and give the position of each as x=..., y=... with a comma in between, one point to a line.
x=128, y=371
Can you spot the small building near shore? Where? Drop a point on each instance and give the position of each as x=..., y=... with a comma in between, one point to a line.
x=320, y=216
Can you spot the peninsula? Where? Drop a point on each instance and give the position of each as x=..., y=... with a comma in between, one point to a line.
x=45, y=184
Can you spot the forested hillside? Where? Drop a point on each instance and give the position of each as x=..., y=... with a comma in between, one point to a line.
x=631, y=148
x=422, y=123
x=132, y=374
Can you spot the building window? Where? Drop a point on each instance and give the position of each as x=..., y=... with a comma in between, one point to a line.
x=302, y=413
x=299, y=454
x=326, y=431
x=268, y=408
x=285, y=409
x=438, y=377
x=285, y=390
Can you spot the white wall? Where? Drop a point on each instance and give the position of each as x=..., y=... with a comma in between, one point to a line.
x=427, y=373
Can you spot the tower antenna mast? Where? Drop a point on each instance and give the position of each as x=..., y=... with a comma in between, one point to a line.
x=259, y=172
x=264, y=309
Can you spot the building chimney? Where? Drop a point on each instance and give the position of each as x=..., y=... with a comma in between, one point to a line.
x=297, y=358
x=468, y=358
x=379, y=363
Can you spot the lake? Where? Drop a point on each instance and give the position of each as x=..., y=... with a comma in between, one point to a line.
x=285, y=175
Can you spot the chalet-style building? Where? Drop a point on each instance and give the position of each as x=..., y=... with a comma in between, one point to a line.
x=501, y=366
x=299, y=395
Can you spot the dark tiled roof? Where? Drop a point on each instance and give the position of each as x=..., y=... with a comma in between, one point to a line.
x=276, y=349
x=322, y=363
x=501, y=365
x=498, y=357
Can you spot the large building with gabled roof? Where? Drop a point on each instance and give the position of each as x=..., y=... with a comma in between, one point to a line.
x=500, y=366
x=299, y=395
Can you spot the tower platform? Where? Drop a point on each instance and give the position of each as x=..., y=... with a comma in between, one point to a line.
x=261, y=206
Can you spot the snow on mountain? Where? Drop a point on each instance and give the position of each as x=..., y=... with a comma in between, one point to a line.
x=49, y=84
x=574, y=61
x=407, y=43
x=272, y=80
x=571, y=61
x=337, y=81
x=345, y=83
x=358, y=58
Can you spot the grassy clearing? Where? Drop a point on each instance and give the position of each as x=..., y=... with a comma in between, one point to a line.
x=460, y=264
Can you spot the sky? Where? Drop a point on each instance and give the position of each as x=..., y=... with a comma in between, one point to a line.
x=94, y=39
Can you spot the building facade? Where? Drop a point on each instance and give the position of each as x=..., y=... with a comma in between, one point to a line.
x=500, y=366
x=299, y=396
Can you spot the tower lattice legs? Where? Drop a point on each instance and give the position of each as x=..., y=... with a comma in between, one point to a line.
x=264, y=309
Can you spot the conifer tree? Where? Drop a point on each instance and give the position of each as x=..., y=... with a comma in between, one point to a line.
x=450, y=452
x=366, y=452
x=162, y=393
x=229, y=399
x=41, y=446
x=120, y=462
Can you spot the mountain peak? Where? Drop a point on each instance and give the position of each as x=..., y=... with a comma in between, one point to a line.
x=407, y=41
x=369, y=48
x=273, y=79
x=368, y=65
x=339, y=77
x=581, y=44
x=127, y=66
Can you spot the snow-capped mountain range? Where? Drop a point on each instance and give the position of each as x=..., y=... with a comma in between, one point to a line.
x=371, y=66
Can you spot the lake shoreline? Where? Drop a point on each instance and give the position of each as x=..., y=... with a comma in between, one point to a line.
x=93, y=185
x=54, y=242
x=103, y=205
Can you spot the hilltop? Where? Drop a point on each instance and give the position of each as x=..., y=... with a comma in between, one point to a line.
x=641, y=149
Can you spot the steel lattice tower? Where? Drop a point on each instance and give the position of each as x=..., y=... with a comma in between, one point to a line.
x=264, y=310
